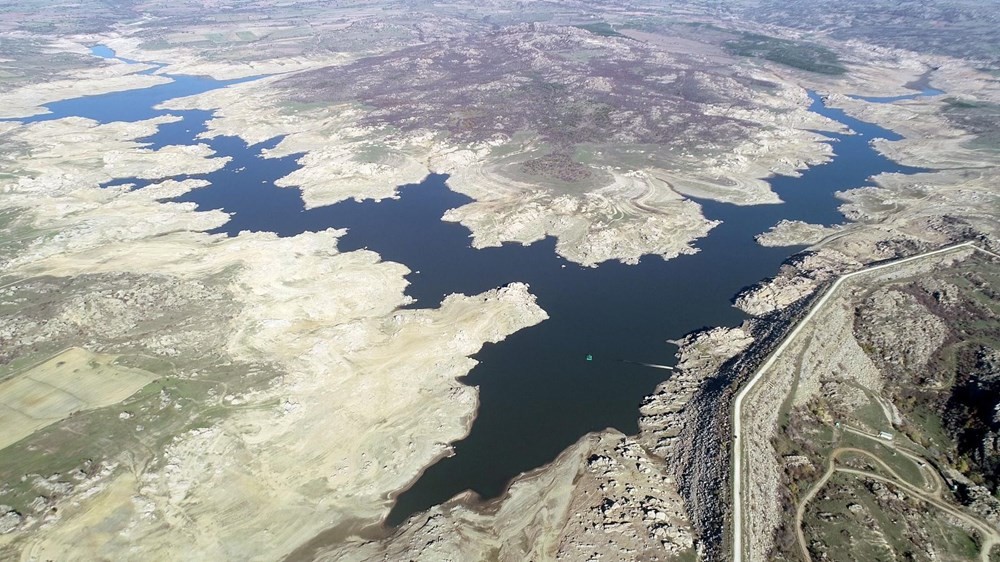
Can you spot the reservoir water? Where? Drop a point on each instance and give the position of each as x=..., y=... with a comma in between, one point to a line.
x=538, y=392
x=926, y=92
x=131, y=105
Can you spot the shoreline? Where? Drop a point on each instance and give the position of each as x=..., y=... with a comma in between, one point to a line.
x=298, y=317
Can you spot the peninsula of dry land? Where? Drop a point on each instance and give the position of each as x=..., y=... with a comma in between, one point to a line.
x=169, y=393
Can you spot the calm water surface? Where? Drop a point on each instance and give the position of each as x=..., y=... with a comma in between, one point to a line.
x=538, y=392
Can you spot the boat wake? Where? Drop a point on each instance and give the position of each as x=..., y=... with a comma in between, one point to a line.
x=653, y=365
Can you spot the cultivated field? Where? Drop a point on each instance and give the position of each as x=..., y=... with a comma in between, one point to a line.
x=70, y=382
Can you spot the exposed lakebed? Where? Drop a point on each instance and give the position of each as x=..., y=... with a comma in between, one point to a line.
x=539, y=393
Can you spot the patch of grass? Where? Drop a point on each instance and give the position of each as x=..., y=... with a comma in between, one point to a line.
x=880, y=529
x=960, y=104
x=16, y=231
x=830, y=523
x=797, y=54
x=925, y=427
x=160, y=411
x=158, y=44
x=861, y=462
x=902, y=465
x=293, y=107
x=560, y=172
x=603, y=29
x=980, y=118
x=871, y=415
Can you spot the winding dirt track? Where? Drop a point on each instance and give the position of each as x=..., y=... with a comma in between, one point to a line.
x=737, y=449
x=990, y=536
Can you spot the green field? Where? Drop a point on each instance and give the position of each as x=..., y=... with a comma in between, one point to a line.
x=797, y=54
x=601, y=28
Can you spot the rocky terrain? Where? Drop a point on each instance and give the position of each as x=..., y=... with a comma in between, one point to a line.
x=593, y=140
x=252, y=340
x=605, y=496
x=794, y=233
x=868, y=378
x=292, y=394
x=943, y=360
x=609, y=494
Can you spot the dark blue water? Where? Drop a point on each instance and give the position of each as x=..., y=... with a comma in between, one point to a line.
x=538, y=393
x=130, y=105
x=105, y=52
x=926, y=92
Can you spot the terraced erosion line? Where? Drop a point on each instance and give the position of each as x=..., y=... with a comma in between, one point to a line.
x=737, y=452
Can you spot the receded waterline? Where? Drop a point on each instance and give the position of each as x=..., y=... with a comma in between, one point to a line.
x=131, y=105
x=537, y=395
x=538, y=391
